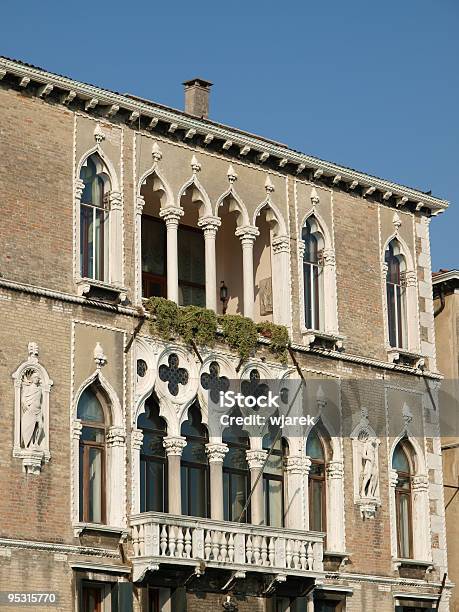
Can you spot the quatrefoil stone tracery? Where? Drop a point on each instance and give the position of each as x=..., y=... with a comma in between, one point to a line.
x=253, y=386
x=173, y=374
x=213, y=382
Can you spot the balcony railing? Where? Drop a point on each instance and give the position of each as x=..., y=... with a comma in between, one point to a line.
x=164, y=538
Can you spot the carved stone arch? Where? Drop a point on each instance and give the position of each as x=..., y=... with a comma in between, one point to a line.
x=183, y=414
x=252, y=364
x=159, y=181
x=227, y=371
x=321, y=227
x=273, y=216
x=205, y=208
x=114, y=407
x=419, y=461
x=144, y=373
x=405, y=252
x=109, y=167
x=236, y=205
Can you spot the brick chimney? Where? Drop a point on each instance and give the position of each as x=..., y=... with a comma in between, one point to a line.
x=197, y=92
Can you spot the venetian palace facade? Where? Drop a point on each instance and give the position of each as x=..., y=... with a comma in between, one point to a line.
x=115, y=491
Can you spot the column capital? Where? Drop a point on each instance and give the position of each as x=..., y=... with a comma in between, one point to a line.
x=174, y=445
x=301, y=248
x=256, y=458
x=171, y=215
x=335, y=469
x=79, y=186
x=139, y=204
x=210, y=225
x=393, y=478
x=281, y=244
x=297, y=465
x=116, y=436
x=137, y=439
x=77, y=427
x=216, y=452
x=329, y=257
x=116, y=200
x=420, y=483
x=410, y=277
x=247, y=234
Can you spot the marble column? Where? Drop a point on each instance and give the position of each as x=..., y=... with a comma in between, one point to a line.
x=297, y=503
x=114, y=273
x=281, y=280
x=216, y=454
x=171, y=215
x=335, y=515
x=136, y=446
x=256, y=459
x=421, y=518
x=248, y=234
x=174, y=446
x=140, y=203
x=210, y=226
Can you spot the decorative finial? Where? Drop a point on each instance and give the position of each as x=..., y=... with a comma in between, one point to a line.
x=98, y=134
x=195, y=165
x=407, y=414
x=314, y=197
x=396, y=221
x=156, y=152
x=32, y=349
x=99, y=356
x=232, y=174
x=269, y=185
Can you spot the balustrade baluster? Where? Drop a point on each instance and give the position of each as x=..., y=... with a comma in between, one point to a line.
x=264, y=551
x=223, y=547
x=207, y=545
x=231, y=548
x=271, y=552
x=303, y=561
x=288, y=553
x=172, y=541
x=215, y=545
x=179, y=542
x=310, y=557
x=249, y=550
x=163, y=541
x=187, y=543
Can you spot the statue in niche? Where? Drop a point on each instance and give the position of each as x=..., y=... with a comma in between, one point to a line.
x=369, y=477
x=32, y=426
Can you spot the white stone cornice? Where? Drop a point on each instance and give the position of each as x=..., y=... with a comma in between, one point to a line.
x=97, y=96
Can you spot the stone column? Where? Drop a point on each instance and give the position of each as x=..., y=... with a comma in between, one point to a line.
x=216, y=453
x=115, y=229
x=171, y=215
x=412, y=310
x=210, y=226
x=174, y=446
x=281, y=280
x=301, y=249
x=297, y=470
x=78, y=188
x=116, y=443
x=140, y=203
x=329, y=292
x=335, y=515
x=136, y=445
x=421, y=518
x=256, y=459
x=248, y=235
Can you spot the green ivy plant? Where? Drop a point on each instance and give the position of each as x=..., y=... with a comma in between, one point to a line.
x=240, y=333
x=199, y=325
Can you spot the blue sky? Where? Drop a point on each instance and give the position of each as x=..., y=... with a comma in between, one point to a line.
x=371, y=85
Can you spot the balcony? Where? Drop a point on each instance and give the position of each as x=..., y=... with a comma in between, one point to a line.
x=205, y=545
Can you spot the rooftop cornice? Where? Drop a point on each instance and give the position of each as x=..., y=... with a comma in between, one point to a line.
x=444, y=277
x=264, y=149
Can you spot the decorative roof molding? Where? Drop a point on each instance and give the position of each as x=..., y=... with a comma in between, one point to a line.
x=97, y=97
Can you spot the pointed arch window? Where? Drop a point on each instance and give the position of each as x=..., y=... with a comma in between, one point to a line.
x=274, y=481
x=153, y=462
x=312, y=274
x=316, y=483
x=401, y=463
x=236, y=476
x=396, y=295
x=195, y=480
x=92, y=458
x=94, y=218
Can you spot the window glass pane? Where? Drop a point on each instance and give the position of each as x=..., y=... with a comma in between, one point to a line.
x=89, y=407
x=153, y=486
x=197, y=485
x=99, y=247
x=404, y=526
x=95, y=485
x=86, y=241
x=92, y=434
x=400, y=460
x=153, y=246
x=238, y=495
x=191, y=256
x=314, y=448
x=81, y=483
x=273, y=491
x=191, y=296
x=307, y=271
x=316, y=505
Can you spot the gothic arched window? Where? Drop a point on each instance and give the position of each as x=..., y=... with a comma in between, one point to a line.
x=396, y=295
x=94, y=213
x=312, y=274
x=401, y=463
x=316, y=483
x=153, y=462
x=195, y=466
x=273, y=480
x=236, y=476
x=92, y=458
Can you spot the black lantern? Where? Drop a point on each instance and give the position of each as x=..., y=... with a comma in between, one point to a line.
x=224, y=296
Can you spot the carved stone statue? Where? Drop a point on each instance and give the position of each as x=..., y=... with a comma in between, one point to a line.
x=369, y=476
x=32, y=430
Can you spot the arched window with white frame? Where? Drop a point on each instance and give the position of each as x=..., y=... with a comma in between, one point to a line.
x=313, y=282
x=403, y=466
x=94, y=219
x=396, y=295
